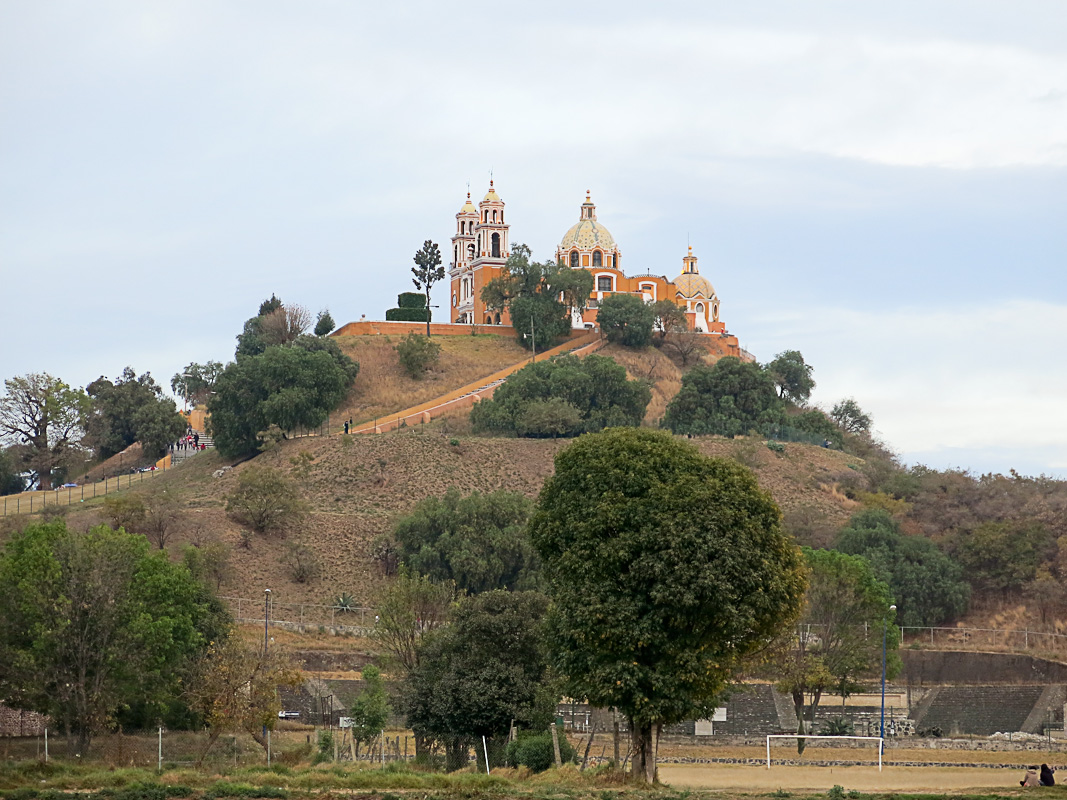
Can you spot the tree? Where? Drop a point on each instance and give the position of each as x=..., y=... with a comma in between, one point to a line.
x=595, y=385
x=250, y=341
x=195, y=383
x=290, y=387
x=836, y=642
x=666, y=570
x=210, y=563
x=131, y=409
x=93, y=622
x=417, y=354
x=669, y=316
x=125, y=511
x=283, y=325
x=324, y=323
x=480, y=673
x=850, y=417
x=370, y=709
x=1003, y=556
x=411, y=607
x=427, y=272
x=44, y=419
x=540, y=298
x=792, y=376
x=11, y=482
x=235, y=689
x=266, y=499
x=729, y=398
x=626, y=319
x=928, y=585
x=478, y=541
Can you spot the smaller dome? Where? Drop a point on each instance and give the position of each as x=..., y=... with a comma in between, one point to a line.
x=691, y=285
x=491, y=196
x=468, y=207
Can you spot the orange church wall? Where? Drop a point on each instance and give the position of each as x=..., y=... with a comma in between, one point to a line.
x=369, y=328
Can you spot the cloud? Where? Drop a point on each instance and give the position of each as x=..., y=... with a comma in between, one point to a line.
x=976, y=379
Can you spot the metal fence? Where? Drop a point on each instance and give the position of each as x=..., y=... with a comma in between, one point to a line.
x=1026, y=641
x=355, y=620
x=34, y=502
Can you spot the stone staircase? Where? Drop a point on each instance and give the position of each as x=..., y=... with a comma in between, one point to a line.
x=978, y=710
x=177, y=456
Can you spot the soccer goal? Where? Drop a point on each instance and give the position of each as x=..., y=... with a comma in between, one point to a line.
x=879, y=739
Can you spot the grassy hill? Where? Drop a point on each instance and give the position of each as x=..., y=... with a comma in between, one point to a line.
x=359, y=486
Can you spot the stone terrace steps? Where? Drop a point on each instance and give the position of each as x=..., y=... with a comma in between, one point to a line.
x=979, y=710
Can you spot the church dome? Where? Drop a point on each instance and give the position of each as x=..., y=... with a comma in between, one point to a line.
x=691, y=285
x=587, y=233
x=468, y=207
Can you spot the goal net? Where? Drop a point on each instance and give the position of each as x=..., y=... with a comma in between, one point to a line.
x=879, y=739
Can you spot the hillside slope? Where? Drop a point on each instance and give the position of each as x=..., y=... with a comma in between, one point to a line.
x=359, y=486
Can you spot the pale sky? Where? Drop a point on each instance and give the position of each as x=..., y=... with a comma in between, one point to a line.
x=881, y=186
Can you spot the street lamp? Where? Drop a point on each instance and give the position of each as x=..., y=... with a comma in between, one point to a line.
x=885, y=628
x=266, y=617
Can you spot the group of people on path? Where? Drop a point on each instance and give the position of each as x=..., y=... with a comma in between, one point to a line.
x=1045, y=778
x=191, y=441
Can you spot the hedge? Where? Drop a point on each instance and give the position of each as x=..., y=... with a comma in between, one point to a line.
x=411, y=300
x=407, y=314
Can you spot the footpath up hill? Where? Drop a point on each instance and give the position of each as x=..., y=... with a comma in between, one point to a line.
x=359, y=486
x=383, y=387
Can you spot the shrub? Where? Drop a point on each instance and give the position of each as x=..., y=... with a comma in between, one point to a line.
x=838, y=726
x=302, y=562
x=626, y=319
x=411, y=300
x=407, y=314
x=417, y=353
x=535, y=751
x=265, y=499
x=596, y=386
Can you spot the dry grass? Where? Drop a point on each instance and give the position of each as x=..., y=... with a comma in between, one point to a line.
x=383, y=388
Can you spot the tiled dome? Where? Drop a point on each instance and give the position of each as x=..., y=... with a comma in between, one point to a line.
x=690, y=284
x=586, y=235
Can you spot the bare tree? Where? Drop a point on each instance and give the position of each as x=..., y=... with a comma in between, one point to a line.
x=683, y=342
x=284, y=324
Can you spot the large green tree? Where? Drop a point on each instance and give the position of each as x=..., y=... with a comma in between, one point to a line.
x=540, y=298
x=626, y=319
x=666, y=570
x=792, y=376
x=370, y=708
x=92, y=623
x=44, y=419
x=287, y=386
x=478, y=541
x=196, y=382
x=482, y=672
x=565, y=396
x=729, y=398
x=131, y=409
x=928, y=586
x=836, y=643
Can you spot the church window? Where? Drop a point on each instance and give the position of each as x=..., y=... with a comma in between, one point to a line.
x=455, y=253
x=496, y=245
x=470, y=250
x=574, y=259
x=597, y=258
x=494, y=216
x=485, y=214
x=603, y=283
x=699, y=309
x=497, y=320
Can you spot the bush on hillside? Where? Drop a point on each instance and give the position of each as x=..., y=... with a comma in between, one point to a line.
x=927, y=585
x=266, y=499
x=596, y=386
x=626, y=319
x=535, y=751
x=729, y=398
x=417, y=353
x=478, y=541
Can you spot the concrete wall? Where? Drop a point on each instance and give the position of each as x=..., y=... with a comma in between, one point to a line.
x=954, y=668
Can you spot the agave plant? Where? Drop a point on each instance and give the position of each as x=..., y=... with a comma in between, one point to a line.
x=345, y=603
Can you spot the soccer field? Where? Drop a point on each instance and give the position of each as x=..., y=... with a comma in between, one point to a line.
x=866, y=779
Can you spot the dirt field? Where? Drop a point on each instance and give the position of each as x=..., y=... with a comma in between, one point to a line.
x=866, y=779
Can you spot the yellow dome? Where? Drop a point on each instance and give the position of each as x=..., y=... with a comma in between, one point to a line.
x=586, y=235
x=690, y=285
x=468, y=207
x=491, y=196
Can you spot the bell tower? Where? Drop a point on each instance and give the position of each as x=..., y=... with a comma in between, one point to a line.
x=491, y=249
x=463, y=254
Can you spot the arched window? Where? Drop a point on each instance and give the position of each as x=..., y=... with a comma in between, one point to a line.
x=574, y=259
x=488, y=319
x=496, y=245
x=470, y=249
x=486, y=215
x=455, y=252
x=494, y=216
x=603, y=283
x=598, y=259
x=497, y=320
x=699, y=309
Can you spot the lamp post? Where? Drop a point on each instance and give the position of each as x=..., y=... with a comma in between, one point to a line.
x=885, y=628
x=266, y=623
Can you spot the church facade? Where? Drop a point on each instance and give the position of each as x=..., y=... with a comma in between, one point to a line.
x=480, y=249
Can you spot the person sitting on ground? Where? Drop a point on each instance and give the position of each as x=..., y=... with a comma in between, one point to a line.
x=1030, y=779
x=1046, y=775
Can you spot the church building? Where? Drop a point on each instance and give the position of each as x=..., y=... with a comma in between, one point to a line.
x=480, y=249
